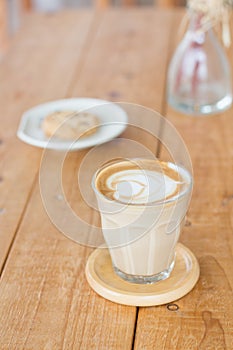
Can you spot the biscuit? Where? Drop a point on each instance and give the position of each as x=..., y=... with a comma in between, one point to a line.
x=70, y=125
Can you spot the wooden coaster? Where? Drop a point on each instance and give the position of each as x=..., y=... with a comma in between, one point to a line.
x=102, y=278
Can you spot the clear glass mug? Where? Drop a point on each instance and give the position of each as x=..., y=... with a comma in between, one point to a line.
x=141, y=237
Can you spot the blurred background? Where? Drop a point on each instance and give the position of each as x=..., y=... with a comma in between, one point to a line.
x=13, y=11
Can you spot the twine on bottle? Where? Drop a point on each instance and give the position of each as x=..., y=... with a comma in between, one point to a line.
x=213, y=12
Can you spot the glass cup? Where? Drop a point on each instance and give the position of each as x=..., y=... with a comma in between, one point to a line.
x=141, y=233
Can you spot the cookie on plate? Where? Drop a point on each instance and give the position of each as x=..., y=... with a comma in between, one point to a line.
x=70, y=125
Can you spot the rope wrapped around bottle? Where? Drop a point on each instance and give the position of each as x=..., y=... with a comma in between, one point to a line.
x=213, y=12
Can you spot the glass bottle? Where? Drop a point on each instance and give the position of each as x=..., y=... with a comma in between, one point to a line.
x=199, y=77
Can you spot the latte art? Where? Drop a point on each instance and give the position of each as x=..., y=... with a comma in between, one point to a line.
x=140, y=182
x=140, y=186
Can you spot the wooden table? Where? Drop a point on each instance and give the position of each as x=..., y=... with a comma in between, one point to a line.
x=45, y=301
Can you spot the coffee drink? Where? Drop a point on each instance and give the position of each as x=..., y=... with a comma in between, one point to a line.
x=142, y=203
x=139, y=181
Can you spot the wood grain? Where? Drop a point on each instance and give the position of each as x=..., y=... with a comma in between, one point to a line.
x=205, y=315
x=43, y=280
x=3, y=28
x=71, y=316
x=36, y=53
x=44, y=297
x=127, y=69
x=138, y=78
x=44, y=293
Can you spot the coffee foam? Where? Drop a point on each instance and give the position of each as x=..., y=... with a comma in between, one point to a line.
x=140, y=181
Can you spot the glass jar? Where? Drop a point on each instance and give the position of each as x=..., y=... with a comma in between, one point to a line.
x=199, y=77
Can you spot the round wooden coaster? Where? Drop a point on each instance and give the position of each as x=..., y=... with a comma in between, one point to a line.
x=102, y=278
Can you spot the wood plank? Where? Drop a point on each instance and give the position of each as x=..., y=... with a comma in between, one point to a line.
x=133, y=70
x=204, y=319
x=121, y=53
x=38, y=67
x=44, y=292
x=3, y=28
x=43, y=282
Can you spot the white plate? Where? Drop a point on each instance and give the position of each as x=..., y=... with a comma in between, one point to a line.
x=113, y=121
